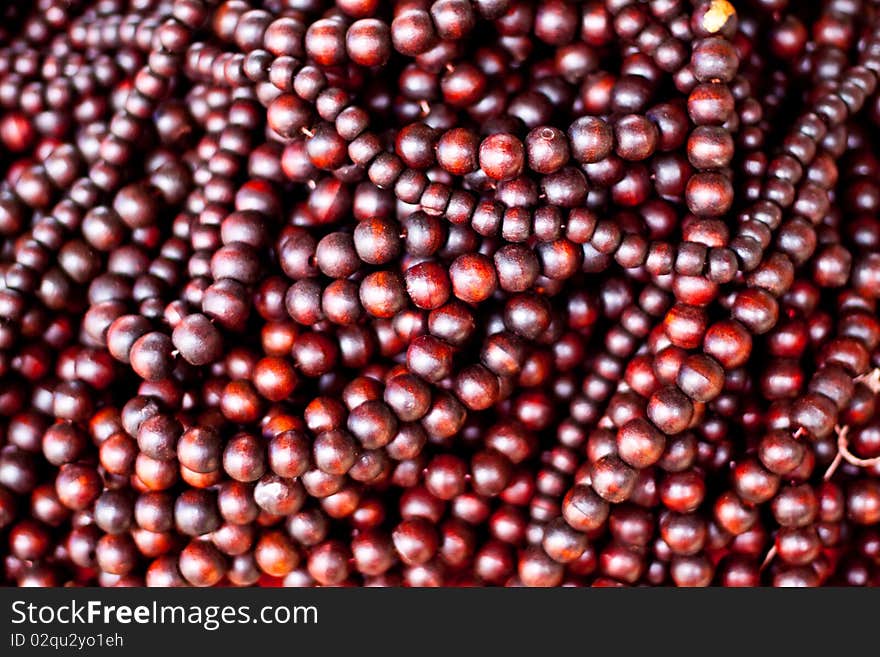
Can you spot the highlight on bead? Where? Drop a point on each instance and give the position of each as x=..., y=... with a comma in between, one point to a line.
x=716, y=15
x=439, y=293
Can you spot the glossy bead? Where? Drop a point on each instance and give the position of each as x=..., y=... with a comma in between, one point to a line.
x=457, y=151
x=372, y=423
x=682, y=492
x=77, y=486
x=591, y=139
x=412, y=32
x=795, y=506
x=815, y=413
x=244, y=458
x=368, y=42
x=753, y=483
x=439, y=293
x=537, y=569
x=151, y=356
x=477, y=387
x=729, y=342
x=635, y=136
x=546, y=149
x=640, y=444
x=713, y=59
x=612, y=479
x=733, y=515
x=415, y=541
x=670, y=410
x=200, y=449
x=863, y=502
x=502, y=156
x=700, y=378
x=709, y=194
x=201, y=564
